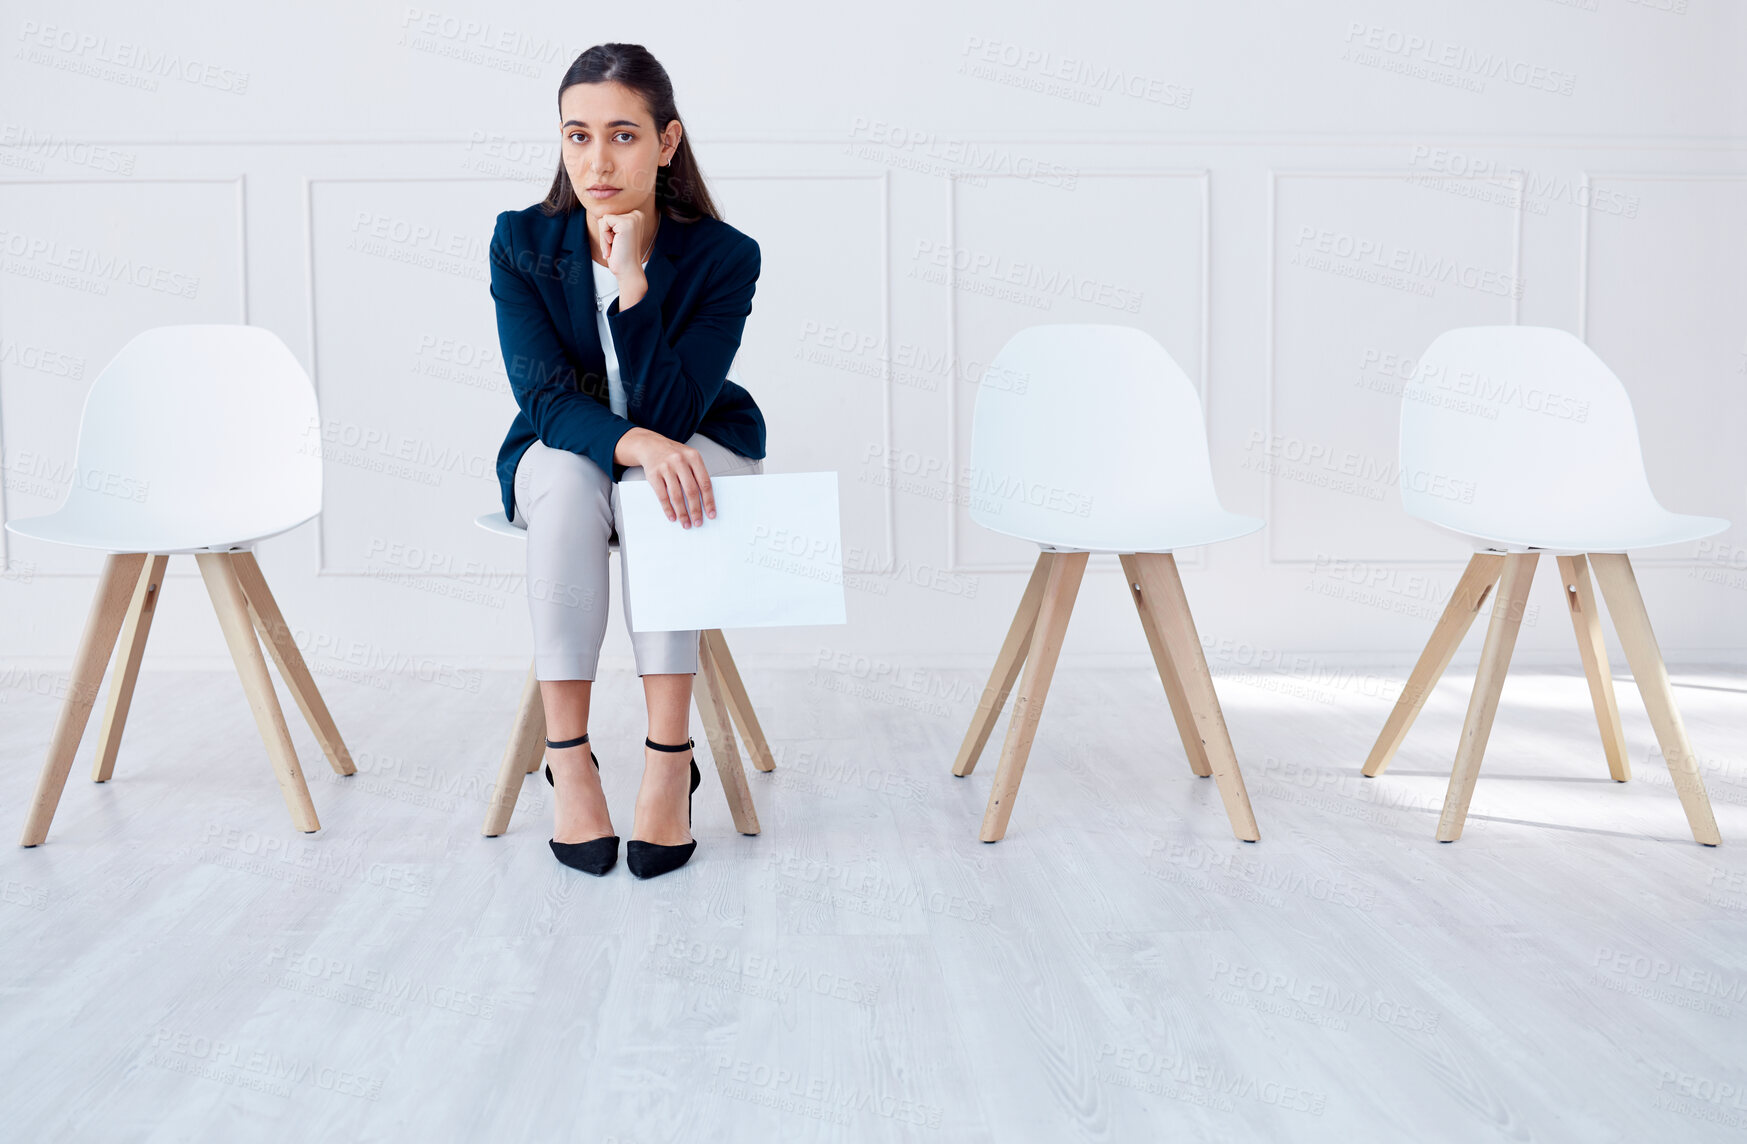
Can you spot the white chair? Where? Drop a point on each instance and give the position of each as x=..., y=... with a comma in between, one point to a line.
x=201, y=439
x=1550, y=462
x=1089, y=438
x=722, y=702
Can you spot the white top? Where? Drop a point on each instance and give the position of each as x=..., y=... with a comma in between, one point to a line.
x=606, y=288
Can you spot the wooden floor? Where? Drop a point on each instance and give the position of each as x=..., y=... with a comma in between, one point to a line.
x=179, y=964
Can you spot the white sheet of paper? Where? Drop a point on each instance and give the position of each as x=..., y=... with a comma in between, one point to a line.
x=772, y=556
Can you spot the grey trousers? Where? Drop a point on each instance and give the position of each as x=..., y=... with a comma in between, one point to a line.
x=571, y=510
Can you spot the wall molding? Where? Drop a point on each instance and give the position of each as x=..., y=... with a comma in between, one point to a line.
x=1272, y=335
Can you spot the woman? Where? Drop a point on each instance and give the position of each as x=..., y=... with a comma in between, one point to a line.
x=620, y=302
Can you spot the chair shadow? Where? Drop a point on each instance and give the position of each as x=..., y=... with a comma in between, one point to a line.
x=1561, y=826
x=1693, y=686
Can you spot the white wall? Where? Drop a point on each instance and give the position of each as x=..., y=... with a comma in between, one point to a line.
x=243, y=165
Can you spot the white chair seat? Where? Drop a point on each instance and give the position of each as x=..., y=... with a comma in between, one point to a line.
x=84, y=525
x=1642, y=531
x=1189, y=530
x=499, y=523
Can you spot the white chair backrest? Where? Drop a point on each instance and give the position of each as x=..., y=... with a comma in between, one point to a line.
x=203, y=429
x=1082, y=429
x=1520, y=431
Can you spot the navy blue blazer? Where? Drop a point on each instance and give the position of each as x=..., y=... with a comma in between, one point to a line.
x=674, y=346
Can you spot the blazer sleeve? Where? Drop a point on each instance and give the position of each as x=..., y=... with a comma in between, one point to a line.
x=541, y=372
x=670, y=386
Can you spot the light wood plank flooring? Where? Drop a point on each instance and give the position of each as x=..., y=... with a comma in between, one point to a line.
x=180, y=964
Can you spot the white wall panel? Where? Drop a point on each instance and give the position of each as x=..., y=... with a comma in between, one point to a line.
x=1191, y=156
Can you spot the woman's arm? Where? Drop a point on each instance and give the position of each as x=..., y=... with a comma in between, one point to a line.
x=670, y=388
x=541, y=374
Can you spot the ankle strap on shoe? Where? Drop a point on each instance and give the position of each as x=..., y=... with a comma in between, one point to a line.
x=550, y=745
x=653, y=745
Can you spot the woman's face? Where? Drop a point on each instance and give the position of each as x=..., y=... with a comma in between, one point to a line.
x=611, y=147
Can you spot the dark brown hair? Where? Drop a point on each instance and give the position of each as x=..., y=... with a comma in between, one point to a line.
x=680, y=193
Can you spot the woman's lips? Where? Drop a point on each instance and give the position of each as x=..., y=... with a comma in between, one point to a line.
x=603, y=192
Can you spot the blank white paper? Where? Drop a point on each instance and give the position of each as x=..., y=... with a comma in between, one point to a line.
x=772, y=556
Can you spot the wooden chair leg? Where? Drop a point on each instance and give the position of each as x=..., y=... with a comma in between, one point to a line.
x=521, y=756
x=1055, y=606
x=713, y=710
x=134, y=631
x=1586, y=620
x=1162, y=592
x=1620, y=586
x=739, y=703
x=219, y=571
x=115, y=587
x=264, y=614
x=535, y=752
x=1501, y=633
x=1007, y=664
x=1469, y=594
x=1185, y=718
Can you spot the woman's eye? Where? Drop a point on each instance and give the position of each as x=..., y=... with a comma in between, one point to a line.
x=625, y=135
x=576, y=137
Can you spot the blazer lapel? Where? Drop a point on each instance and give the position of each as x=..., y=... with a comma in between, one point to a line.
x=576, y=278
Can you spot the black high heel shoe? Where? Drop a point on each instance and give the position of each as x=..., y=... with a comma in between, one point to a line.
x=648, y=859
x=597, y=855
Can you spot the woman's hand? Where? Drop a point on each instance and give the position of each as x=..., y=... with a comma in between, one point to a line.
x=675, y=471
x=623, y=237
